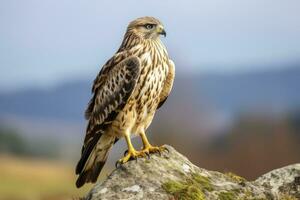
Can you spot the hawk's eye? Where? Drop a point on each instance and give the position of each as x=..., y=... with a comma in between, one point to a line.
x=149, y=26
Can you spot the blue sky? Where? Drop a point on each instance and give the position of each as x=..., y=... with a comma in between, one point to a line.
x=46, y=42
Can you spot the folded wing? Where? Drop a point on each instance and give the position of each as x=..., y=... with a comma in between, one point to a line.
x=112, y=88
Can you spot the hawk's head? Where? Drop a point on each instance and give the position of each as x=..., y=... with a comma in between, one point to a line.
x=146, y=28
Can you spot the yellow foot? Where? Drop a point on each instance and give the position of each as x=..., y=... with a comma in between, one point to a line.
x=152, y=149
x=130, y=155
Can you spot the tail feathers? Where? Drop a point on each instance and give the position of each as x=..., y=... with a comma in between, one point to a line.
x=90, y=175
x=87, y=152
x=93, y=159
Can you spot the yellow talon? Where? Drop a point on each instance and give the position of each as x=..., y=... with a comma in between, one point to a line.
x=153, y=149
x=131, y=154
x=148, y=148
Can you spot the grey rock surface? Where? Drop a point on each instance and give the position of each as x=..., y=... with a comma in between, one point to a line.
x=172, y=176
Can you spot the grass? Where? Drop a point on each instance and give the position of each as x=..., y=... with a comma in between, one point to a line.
x=36, y=179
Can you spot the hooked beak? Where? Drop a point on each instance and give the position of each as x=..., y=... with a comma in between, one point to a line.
x=161, y=31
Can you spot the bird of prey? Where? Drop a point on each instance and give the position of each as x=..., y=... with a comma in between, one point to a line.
x=128, y=90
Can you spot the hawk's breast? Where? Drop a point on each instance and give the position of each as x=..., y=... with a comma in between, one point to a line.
x=141, y=106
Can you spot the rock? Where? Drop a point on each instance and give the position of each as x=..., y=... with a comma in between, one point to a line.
x=172, y=176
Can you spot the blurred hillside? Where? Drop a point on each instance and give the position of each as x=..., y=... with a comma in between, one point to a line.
x=275, y=90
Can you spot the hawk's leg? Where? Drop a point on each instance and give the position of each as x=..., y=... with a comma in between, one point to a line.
x=131, y=152
x=148, y=148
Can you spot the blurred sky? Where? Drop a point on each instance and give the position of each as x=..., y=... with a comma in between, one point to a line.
x=43, y=42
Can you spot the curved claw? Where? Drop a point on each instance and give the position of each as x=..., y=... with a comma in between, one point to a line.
x=159, y=152
x=154, y=149
x=125, y=153
x=148, y=155
x=117, y=164
x=163, y=148
x=133, y=158
x=166, y=149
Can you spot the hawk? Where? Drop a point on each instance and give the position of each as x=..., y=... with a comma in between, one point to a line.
x=128, y=90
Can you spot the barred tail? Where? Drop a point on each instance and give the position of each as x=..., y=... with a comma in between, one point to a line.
x=93, y=159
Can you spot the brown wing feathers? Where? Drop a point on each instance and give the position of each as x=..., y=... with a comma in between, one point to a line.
x=112, y=88
x=113, y=94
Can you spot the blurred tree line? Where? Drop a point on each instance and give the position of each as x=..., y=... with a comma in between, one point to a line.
x=12, y=142
x=255, y=143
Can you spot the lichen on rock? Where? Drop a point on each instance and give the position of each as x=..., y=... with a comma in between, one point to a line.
x=172, y=176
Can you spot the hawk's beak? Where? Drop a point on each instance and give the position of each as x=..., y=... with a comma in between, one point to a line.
x=161, y=31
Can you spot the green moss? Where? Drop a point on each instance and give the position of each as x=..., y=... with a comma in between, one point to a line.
x=183, y=190
x=237, y=190
x=248, y=195
x=147, y=161
x=203, y=181
x=287, y=197
x=227, y=195
x=235, y=177
x=191, y=189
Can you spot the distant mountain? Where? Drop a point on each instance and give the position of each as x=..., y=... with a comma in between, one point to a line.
x=64, y=102
x=271, y=90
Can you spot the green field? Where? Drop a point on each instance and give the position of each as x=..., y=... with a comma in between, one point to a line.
x=37, y=179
